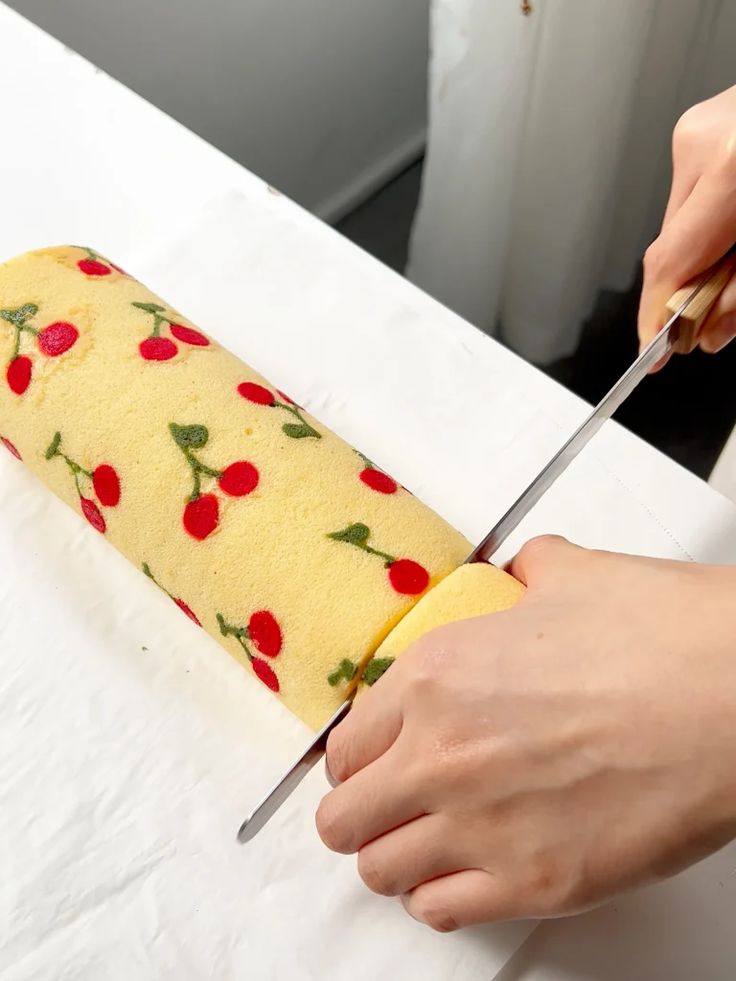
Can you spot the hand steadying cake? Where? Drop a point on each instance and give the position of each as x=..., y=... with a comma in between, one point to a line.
x=537, y=761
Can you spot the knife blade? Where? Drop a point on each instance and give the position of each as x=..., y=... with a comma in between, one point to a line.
x=662, y=344
x=688, y=308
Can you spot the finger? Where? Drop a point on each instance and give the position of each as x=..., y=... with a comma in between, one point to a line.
x=540, y=557
x=372, y=725
x=458, y=900
x=416, y=852
x=721, y=334
x=372, y=802
x=683, y=182
x=719, y=326
x=697, y=235
x=661, y=363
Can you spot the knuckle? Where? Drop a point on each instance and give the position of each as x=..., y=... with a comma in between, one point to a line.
x=430, y=659
x=332, y=828
x=657, y=262
x=437, y=915
x=540, y=548
x=682, y=135
x=454, y=761
x=374, y=875
x=547, y=890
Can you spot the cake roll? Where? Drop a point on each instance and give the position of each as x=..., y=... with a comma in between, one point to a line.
x=292, y=549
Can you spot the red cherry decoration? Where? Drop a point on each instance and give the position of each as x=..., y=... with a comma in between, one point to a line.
x=239, y=478
x=157, y=349
x=93, y=515
x=379, y=481
x=256, y=393
x=265, y=633
x=19, y=373
x=266, y=673
x=10, y=448
x=107, y=485
x=408, y=577
x=201, y=516
x=187, y=335
x=186, y=609
x=91, y=267
x=57, y=338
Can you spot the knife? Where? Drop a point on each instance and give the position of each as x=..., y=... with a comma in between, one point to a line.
x=688, y=309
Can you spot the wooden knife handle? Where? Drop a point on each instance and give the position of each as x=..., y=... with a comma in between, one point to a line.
x=714, y=281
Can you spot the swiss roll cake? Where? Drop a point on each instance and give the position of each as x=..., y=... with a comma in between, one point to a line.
x=291, y=548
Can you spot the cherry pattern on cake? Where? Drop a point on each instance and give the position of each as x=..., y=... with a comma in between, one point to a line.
x=375, y=478
x=158, y=347
x=375, y=669
x=262, y=636
x=260, y=395
x=184, y=607
x=405, y=575
x=95, y=265
x=52, y=341
x=347, y=670
x=202, y=511
x=104, y=481
x=10, y=447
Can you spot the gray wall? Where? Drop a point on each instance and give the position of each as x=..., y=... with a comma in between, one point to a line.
x=322, y=98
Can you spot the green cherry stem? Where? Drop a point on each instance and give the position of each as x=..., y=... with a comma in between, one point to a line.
x=16, y=346
x=18, y=317
x=346, y=670
x=294, y=410
x=156, y=312
x=198, y=468
x=241, y=634
x=390, y=559
x=159, y=317
x=375, y=669
x=189, y=438
x=358, y=535
x=147, y=572
x=54, y=450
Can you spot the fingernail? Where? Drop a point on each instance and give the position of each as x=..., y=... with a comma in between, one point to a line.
x=330, y=779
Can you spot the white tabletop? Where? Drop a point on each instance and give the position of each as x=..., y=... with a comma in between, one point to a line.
x=131, y=746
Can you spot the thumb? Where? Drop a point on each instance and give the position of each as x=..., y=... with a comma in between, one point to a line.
x=543, y=560
x=695, y=237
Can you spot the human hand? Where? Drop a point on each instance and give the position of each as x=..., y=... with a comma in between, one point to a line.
x=537, y=761
x=700, y=221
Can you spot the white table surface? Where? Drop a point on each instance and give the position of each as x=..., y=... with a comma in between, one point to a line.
x=130, y=746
